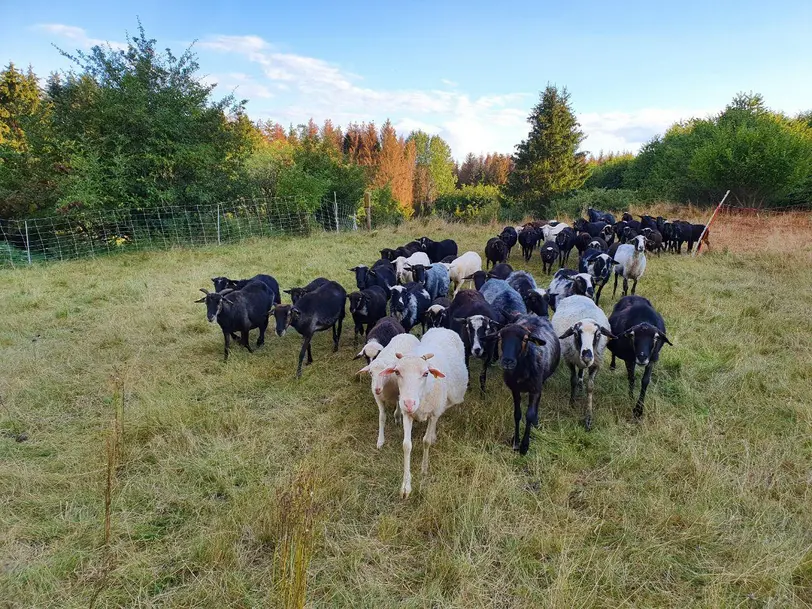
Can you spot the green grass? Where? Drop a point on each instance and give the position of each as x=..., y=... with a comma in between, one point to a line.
x=706, y=503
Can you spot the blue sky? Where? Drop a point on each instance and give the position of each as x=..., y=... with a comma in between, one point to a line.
x=469, y=71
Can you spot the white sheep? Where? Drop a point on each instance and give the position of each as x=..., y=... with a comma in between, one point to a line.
x=631, y=263
x=584, y=330
x=384, y=387
x=402, y=264
x=462, y=267
x=550, y=232
x=430, y=379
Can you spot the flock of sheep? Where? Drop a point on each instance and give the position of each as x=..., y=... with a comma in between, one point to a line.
x=504, y=318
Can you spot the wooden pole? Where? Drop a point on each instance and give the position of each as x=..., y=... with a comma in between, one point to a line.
x=368, y=209
x=707, y=226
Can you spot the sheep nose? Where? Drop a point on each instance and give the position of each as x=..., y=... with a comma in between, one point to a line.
x=477, y=352
x=211, y=318
x=378, y=391
x=586, y=355
x=508, y=364
x=409, y=404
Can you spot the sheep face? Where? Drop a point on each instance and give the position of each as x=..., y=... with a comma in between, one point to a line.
x=435, y=316
x=647, y=340
x=221, y=283
x=295, y=294
x=586, y=335
x=413, y=375
x=283, y=315
x=639, y=243
x=418, y=272
x=360, y=275
x=515, y=338
x=358, y=303
x=397, y=304
x=537, y=301
x=582, y=284
x=478, y=328
x=214, y=304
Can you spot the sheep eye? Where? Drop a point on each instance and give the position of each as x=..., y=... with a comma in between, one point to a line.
x=397, y=373
x=425, y=374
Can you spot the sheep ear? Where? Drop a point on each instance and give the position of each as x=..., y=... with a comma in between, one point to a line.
x=205, y=291
x=387, y=372
x=287, y=291
x=665, y=338
x=436, y=373
x=537, y=341
x=353, y=269
x=568, y=333
x=363, y=370
x=427, y=356
x=359, y=356
x=607, y=333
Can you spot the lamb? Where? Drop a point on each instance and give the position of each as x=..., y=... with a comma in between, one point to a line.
x=379, y=337
x=599, y=266
x=297, y=293
x=383, y=386
x=367, y=307
x=565, y=240
x=631, y=263
x=549, y=255
x=530, y=355
x=495, y=251
x=583, y=330
x=402, y=266
x=240, y=310
x=500, y=271
x=434, y=277
x=430, y=379
x=315, y=311
x=640, y=332
x=506, y=302
x=567, y=282
x=510, y=236
x=408, y=303
x=464, y=266
x=221, y=283
x=437, y=250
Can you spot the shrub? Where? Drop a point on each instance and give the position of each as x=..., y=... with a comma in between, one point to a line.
x=478, y=203
x=575, y=203
x=385, y=209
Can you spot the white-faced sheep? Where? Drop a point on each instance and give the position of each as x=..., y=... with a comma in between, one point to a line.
x=403, y=265
x=430, y=379
x=384, y=386
x=631, y=263
x=583, y=330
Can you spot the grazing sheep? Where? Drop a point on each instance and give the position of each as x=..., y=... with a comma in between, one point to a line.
x=567, y=282
x=384, y=387
x=500, y=271
x=640, y=332
x=434, y=277
x=240, y=311
x=431, y=379
x=530, y=355
x=297, y=293
x=438, y=250
x=510, y=236
x=379, y=337
x=315, y=311
x=221, y=283
x=647, y=222
x=583, y=330
x=462, y=267
x=367, y=307
x=565, y=240
x=506, y=302
x=408, y=303
x=495, y=251
x=403, y=265
x=549, y=255
x=631, y=263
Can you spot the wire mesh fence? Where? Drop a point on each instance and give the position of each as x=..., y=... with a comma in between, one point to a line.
x=89, y=234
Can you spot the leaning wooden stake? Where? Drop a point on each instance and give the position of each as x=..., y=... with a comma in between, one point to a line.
x=707, y=226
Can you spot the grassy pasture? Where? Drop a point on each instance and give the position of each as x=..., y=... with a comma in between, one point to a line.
x=706, y=503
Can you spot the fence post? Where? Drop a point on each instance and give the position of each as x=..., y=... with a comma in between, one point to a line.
x=27, y=243
x=707, y=226
x=335, y=209
x=218, y=224
x=368, y=209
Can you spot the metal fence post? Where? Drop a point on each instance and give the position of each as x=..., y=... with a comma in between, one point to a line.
x=368, y=209
x=27, y=243
x=335, y=209
x=218, y=224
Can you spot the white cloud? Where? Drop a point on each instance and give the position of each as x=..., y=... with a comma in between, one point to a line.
x=448, y=83
x=77, y=35
x=243, y=85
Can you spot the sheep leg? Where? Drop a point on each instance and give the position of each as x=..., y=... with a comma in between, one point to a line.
x=590, y=387
x=381, y=419
x=429, y=438
x=630, y=374
x=573, y=384
x=406, y=487
x=530, y=419
x=309, y=355
x=262, y=327
x=483, y=377
x=336, y=334
x=638, y=408
x=227, y=338
x=305, y=349
x=625, y=286
x=517, y=417
x=612, y=366
x=615, y=290
x=634, y=285
x=598, y=293
x=244, y=340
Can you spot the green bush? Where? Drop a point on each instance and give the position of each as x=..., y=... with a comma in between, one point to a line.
x=477, y=203
x=575, y=204
x=386, y=211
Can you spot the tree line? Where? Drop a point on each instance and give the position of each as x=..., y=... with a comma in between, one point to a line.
x=137, y=128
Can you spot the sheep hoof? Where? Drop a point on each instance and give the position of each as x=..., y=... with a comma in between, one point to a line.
x=588, y=424
x=405, y=491
x=379, y=445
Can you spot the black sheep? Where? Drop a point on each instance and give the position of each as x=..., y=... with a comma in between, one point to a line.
x=648, y=222
x=528, y=239
x=240, y=311
x=314, y=311
x=436, y=315
x=438, y=250
x=599, y=266
x=595, y=229
x=695, y=233
x=510, y=237
x=595, y=215
x=495, y=251
x=380, y=336
x=565, y=240
x=500, y=271
x=582, y=241
x=472, y=317
x=640, y=332
x=367, y=307
x=297, y=293
x=382, y=276
x=654, y=240
x=549, y=255
x=221, y=283
x=530, y=354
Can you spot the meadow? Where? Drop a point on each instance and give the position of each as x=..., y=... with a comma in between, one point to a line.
x=224, y=479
